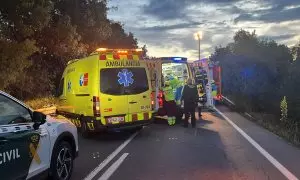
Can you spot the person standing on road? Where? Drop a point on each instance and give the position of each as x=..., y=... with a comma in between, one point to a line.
x=190, y=99
x=170, y=104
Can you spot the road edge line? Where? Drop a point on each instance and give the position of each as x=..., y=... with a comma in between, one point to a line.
x=268, y=156
x=93, y=173
x=106, y=175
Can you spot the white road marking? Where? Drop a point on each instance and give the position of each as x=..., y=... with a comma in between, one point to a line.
x=113, y=167
x=271, y=159
x=109, y=158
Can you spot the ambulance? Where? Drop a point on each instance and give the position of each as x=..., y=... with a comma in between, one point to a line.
x=159, y=69
x=109, y=89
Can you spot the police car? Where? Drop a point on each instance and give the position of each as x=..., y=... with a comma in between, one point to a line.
x=32, y=144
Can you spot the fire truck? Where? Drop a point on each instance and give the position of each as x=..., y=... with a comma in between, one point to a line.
x=209, y=75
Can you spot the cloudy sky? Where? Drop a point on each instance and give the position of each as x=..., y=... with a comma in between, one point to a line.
x=167, y=26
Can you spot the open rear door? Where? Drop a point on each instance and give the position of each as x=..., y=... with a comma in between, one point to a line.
x=154, y=69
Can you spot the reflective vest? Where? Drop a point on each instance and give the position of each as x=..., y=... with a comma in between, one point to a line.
x=169, y=93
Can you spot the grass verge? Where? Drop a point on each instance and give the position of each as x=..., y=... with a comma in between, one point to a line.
x=43, y=102
x=286, y=130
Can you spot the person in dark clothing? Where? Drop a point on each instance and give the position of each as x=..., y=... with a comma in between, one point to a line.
x=190, y=99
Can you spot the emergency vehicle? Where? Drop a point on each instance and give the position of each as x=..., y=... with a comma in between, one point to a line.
x=33, y=145
x=159, y=69
x=210, y=76
x=109, y=89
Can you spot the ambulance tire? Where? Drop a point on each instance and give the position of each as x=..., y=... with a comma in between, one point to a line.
x=62, y=147
x=85, y=133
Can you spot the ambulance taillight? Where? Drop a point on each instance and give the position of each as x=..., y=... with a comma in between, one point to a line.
x=96, y=106
x=160, y=99
x=152, y=101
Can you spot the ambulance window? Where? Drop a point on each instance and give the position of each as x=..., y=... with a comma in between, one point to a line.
x=111, y=83
x=12, y=112
x=61, y=87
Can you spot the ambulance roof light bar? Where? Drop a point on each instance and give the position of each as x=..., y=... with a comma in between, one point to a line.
x=118, y=50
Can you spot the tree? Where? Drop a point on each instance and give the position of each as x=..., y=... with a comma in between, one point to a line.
x=145, y=51
x=39, y=37
x=14, y=60
x=253, y=70
x=296, y=52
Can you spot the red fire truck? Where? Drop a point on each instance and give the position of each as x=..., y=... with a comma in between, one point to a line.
x=210, y=73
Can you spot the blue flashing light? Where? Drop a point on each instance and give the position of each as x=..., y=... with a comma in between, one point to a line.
x=176, y=59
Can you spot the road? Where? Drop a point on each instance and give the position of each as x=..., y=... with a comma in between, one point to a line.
x=213, y=150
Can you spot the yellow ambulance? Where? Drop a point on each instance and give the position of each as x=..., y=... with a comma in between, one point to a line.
x=108, y=89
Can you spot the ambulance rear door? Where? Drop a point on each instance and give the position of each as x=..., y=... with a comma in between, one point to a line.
x=113, y=98
x=139, y=95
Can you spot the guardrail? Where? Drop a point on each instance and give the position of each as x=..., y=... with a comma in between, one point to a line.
x=232, y=105
x=228, y=100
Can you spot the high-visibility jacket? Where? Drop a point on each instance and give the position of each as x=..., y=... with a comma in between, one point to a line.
x=174, y=83
x=169, y=93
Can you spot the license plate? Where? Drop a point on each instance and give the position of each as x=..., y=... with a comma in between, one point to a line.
x=115, y=120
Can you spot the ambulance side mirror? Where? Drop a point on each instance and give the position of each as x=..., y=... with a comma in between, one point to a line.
x=38, y=119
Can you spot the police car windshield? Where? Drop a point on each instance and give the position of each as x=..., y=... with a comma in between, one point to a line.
x=123, y=81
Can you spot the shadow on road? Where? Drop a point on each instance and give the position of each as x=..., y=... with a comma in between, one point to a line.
x=176, y=153
x=110, y=136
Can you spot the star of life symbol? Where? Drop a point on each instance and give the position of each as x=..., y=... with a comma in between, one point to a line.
x=125, y=78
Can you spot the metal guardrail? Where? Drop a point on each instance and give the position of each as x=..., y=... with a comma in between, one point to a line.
x=233, y=105
x=228, y=100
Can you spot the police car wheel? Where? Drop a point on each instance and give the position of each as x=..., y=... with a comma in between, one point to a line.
x=62, y=162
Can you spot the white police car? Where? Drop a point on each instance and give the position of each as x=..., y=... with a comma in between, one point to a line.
x=32, y=145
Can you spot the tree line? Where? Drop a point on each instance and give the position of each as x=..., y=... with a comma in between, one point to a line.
x=38, y=38
x=262, y=76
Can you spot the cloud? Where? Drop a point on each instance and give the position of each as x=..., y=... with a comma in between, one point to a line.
x=280, y=10
x=173, y=26
x=281, y=37
x=175, y=9
x=166, y=10
x=167, y=26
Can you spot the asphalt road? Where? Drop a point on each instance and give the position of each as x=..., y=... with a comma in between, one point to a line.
x=214, y=150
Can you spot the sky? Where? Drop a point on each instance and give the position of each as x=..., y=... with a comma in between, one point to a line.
x=167, y=27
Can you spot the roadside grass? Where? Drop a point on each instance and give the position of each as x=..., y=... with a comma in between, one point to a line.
x=43, y=102
x=286, y=130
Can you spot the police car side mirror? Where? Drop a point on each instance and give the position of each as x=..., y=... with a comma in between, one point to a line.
x=38, y=119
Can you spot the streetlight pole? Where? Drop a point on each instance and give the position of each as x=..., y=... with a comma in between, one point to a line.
x=199, y=48
x=198, y=36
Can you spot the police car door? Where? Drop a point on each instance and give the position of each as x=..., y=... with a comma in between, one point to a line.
x=18, y=140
